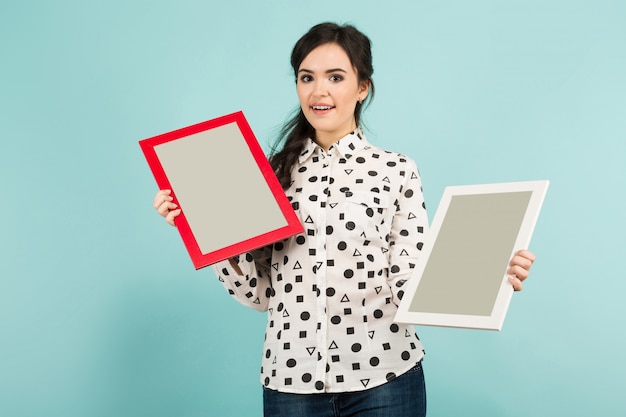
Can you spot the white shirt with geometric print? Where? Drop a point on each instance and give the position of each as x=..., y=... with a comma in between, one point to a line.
x=332, y=292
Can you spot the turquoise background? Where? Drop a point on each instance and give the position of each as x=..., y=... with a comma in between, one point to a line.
x=101, y=311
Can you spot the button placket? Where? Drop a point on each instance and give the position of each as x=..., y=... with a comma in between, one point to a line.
x=321, y=265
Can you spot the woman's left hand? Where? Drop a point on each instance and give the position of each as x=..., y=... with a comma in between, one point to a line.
x=519, y=268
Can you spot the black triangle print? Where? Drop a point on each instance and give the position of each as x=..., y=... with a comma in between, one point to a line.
x=332, y=205
x=308, y=219
x=378, y=289
x=271, y=310
x=407, y=333
x=333, y=345
x=413, y=176
x=297, y=265
x=274, y=361
x=412, y=216
x=348, y=171
x=356, y=253
x=285, y=313
x=257, y=301
x=404, y=253
x=311, y=350
x=371, y=334
x=221, y=279
x=363, y=234
x=319, y=264
x=386, y=179
x=275, y=266
x=365, y=382
x=385, y=250
x=345, y=299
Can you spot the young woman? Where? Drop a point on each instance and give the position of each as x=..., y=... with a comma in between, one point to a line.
x=331, y=293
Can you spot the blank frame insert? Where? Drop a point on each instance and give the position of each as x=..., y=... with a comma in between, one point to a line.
x=231, y=200
x=460, y=278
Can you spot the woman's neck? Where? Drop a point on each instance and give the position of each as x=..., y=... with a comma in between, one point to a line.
x=327, y=139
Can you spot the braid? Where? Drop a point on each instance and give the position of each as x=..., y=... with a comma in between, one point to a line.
x=296, y=132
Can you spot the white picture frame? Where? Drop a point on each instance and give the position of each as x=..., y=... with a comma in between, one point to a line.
x=460, y=278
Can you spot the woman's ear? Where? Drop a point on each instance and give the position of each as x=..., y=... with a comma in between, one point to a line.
x=364, y=89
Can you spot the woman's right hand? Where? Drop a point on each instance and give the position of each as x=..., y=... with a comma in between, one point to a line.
x=165, y=207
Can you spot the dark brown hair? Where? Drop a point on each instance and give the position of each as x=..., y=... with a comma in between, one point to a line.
x=297, y=130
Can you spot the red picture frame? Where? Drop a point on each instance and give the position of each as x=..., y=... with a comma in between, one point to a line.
x=217, y=168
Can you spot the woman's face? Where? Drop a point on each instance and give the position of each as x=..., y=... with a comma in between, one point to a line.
x=328, y=90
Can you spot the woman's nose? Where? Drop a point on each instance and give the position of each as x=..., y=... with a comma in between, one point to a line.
x=320, y=88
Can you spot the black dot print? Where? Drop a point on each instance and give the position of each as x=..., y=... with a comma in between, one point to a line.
x=340, y=280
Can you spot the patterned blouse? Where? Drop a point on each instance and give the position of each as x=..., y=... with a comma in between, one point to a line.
x=331, y=293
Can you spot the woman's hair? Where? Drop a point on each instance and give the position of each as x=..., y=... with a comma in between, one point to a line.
x=297, y=130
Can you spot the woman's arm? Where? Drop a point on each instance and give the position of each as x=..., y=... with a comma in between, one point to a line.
x=246, y=277
x=408, y=230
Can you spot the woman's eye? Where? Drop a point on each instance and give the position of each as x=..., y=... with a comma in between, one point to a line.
x=306, y=78
x=336, y=78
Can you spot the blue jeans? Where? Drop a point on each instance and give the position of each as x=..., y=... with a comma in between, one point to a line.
x=404, y=396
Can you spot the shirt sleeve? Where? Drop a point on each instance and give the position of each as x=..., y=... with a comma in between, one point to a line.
x=408, y=229
x=253, y=288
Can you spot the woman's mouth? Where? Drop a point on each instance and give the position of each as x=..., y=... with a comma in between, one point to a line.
x=321, y=108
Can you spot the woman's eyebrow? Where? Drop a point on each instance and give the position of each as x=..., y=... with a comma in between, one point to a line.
x=327, y=71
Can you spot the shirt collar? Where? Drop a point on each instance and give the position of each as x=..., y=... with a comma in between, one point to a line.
x=346, y=146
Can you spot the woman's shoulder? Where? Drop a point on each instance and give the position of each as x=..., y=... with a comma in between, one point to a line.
x=391, y=158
